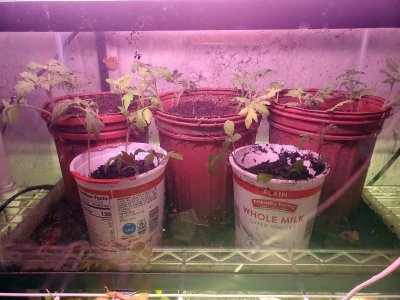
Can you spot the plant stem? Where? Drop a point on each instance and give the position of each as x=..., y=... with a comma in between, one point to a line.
x=127, y=136
x=88, y=146
x=34, y=107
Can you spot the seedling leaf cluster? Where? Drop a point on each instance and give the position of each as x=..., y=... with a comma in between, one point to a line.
x=253, y=99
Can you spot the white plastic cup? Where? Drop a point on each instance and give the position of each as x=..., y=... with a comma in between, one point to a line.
x=120, y=213
x=279, y=213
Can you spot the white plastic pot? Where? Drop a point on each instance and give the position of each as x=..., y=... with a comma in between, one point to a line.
x=276, y=214
x=121, y=213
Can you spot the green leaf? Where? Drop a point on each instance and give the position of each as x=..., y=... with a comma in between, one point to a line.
x=276, y=85
x=338, y=105
x=244, y=111
x=243, y=100
x=164, y=73
x=291, y=104
x=269, y=93
x=328, y=128
x=155, y=101
x=149, y=159
x=147, y=114
x=46, y=85
x=236, y=137
x=127, y=100
x=22, y=90
x=93, y=124
x=212, y=164
x=143, y=72
x=29, y=76
x=303, y=138
x=34, y=65
x=367, y=91
x=60, y=109
x=261, y=73
x=110, y=81
x=392, y=65
x=251, y=116
x=263, y=178
x=262, y=109
x=248, y=121
x=11, y=112
x=297, y=166
x=297, y=93
x=229, y=127
x=135, y=65
x=231, y=139
x=141, y=123
x=175, y=155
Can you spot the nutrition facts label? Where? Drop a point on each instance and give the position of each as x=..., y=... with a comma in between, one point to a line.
x=98, y=217
x=120, y=221
x=127, y=207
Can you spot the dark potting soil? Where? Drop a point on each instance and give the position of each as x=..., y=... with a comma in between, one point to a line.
x=111, y=172
x=285, y=167
x=201, y=106
x=108, y=104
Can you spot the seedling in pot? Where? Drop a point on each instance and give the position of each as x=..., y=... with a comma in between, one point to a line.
x=128, y=164
x=255, y=102
x=254, y=99
x=230, y=139
x=305, y=138
x=392, y=78
x=181, y=85
x=309, y=99
x=298, y=168
x=138, y=93
x=354, y=88
x=140, y=89
x=46, y=78
x=289, y=165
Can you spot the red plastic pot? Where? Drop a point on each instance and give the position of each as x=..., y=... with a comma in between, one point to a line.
x=345, y=148
x=70, y=137
x=189, y=184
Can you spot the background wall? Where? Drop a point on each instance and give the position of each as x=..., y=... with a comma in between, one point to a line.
x=309, y=58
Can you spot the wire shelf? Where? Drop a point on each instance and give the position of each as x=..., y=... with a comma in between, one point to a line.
x=18, y=210
x=385, y=201
x=20, y=257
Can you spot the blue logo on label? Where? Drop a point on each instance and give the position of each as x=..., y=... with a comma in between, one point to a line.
x=129, y=228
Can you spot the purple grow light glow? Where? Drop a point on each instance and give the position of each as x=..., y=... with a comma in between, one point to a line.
x=145, y=15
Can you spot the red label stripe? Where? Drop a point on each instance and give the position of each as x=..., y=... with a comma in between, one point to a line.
x=126, y=192
x=274, y=205
x=275, y=194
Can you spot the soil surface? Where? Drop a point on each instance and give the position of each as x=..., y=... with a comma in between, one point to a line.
x=108, y=104
x=125, y=171
x=206, y=106
x=284, y=167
